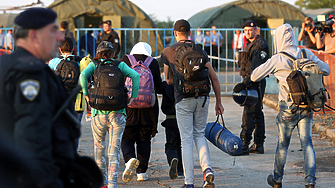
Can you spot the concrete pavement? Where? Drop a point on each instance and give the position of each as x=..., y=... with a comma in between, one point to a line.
x=240, y=172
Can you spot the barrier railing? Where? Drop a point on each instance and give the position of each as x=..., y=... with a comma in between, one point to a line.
x=224, y=63
x=2, y=46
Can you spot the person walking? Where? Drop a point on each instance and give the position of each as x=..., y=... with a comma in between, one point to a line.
x=104, y=121
x=192, y=109
x=142, y=119
x=290, y=115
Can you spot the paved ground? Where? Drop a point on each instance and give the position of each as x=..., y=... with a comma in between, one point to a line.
x=240, y=172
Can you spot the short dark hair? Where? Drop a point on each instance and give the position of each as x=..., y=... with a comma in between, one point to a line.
x=64, y=24
x=106, y=54
x=66, y=45
x=309, y=19
x=21, y=32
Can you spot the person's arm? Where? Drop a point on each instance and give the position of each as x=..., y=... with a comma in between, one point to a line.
x=324, y=66
x=83, y=78
x=168, y=74
x=265, y=69
x=302, y=32
x=311, y=34
x=33, y=125
x=133, y=75
x=216, y=87
x=319, y=41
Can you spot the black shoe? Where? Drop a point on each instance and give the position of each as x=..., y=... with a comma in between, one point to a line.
x=310, y=186
x=272, y=182
x=173, y=169
x=257, y=148
x=244, y=151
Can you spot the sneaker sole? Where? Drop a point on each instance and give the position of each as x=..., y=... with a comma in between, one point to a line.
x=210, y=178
x=209, y=185
x=129, y=172
x=173, y=169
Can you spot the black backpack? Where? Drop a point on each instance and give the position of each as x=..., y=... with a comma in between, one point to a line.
x=191, y=78
x=107, y=92
x=68, y=71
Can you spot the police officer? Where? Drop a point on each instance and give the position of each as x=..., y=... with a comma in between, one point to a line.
x=30, y=96
x=111, y=36
x=256, y=52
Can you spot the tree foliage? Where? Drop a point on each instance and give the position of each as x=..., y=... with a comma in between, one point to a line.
x=315, y=4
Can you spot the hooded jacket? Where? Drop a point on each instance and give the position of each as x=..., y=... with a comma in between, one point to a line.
x=280, y=66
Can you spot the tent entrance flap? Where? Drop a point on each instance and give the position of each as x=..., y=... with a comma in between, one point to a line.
x=274, y=23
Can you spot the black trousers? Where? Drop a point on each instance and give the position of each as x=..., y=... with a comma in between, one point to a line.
x=141, y=135
x=173, y=142
x=253, y=118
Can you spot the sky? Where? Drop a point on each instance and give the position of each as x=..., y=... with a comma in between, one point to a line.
x=160, y=9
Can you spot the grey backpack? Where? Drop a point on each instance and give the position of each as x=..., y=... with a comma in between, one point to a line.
x=306, y=88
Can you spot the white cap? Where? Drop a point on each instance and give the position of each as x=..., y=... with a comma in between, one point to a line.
x=141, y=48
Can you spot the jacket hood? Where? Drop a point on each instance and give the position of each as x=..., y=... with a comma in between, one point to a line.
x=284, y=38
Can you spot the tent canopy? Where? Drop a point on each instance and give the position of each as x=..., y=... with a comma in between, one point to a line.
x=266, y=13
x=122, y=13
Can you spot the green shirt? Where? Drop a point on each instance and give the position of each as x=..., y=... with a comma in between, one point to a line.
x=127, y=72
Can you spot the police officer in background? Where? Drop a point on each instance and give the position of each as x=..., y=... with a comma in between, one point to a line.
x=111, y=36
x=30, y=96
x=255, y=53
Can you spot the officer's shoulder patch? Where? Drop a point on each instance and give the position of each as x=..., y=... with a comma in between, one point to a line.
x=116, y=40
x=30, y=89
x=263, y=54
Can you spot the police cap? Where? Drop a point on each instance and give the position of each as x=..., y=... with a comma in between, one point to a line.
x=108, y=22
x=182, y=26
x=35, y=18
x=249, y=23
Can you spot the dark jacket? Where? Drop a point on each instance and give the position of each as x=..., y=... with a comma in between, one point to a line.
x=112, y=37
x=30, y=95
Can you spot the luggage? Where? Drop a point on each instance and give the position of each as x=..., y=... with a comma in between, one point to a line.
x=222, y=138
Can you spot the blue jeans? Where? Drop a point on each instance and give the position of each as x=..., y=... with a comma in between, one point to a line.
x=287, y=119
x=192, y=119
x=114, y=124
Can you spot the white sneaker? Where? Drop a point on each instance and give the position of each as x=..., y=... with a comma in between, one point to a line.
x=142, y=176
x=88, y=118
x=131, y=167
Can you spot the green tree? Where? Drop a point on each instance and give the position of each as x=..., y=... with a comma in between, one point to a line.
x=315, y=4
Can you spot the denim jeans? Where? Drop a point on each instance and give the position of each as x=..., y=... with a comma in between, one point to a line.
x=192, y=119
x=287, y=119
x=114, y=124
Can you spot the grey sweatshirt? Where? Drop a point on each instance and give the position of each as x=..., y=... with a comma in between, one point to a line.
x=280, y=66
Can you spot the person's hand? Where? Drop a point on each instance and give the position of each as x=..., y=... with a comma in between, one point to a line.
x=309, y=30
x=303, y=26
x=218, y=109
x=87, y=100
x=247, y=81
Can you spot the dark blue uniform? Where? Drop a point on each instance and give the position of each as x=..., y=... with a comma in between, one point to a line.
x=30, y=95
x=257, y=53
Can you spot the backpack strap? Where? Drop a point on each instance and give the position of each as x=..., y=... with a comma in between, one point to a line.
x=304, y=54
x=290, y=57
x=132, y=60
x=148, y=61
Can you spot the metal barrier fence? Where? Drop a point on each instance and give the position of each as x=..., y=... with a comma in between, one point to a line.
x=4, y=47
x=225, y=63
